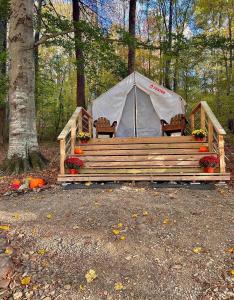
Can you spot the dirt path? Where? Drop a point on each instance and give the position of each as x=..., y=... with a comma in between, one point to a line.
x=154, y=260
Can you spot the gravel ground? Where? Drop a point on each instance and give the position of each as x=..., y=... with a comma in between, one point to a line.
x=58, y=236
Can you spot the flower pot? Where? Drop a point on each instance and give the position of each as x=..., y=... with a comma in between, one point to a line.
x=209, y=170
x=199, y=139
x=73, y=171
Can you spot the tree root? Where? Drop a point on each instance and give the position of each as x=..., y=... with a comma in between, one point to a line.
x=17, y=165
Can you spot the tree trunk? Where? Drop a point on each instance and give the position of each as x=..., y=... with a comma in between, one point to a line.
x=23, y=153
x=132, y=33
x=80, y=94
x=169, y=43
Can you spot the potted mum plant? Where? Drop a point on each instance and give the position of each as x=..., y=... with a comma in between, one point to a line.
x=209, y=163
x=84, y=137
x=199, y=134
x=73, y=164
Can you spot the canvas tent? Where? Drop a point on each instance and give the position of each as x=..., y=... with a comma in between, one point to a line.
x=138, y=104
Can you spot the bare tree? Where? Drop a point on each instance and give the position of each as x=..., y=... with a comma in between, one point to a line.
x=132, y=33
x=80, y=98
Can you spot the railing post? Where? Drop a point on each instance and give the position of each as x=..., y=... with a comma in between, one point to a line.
x=62, y=156
x=73, y=137
x=203, y=118
x=80, y=121
x=91, y=126
x=192, y=122
x=221, y=153
x=210, y=135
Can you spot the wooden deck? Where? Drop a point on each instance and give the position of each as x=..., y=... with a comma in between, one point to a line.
x=144, y=159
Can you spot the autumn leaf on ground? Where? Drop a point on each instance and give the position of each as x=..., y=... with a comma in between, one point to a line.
x=26, y=280
x=134, y=216
x=16, y=216
x=230, y=250
x=120, y=225
x=145, y=213
x=42, y=251
x=119, y=286
x=232, y=272
x=116, y=231
x=197, y=250
x=82, y=287
x=90, y=275
x=4, y=227
x=166, y=221
x=122, y=238
x=49, y=216
x=8, y=251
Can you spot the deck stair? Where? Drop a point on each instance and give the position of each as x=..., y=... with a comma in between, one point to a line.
x=139, y=159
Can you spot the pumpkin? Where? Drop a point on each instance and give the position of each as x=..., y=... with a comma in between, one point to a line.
x=78, y=151
x=16, y=181
x=36, y=182
x=203, y=149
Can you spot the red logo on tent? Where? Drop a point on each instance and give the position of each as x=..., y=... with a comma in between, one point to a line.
x=154, y=87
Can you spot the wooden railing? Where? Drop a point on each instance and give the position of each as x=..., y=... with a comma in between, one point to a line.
x=203, y=117
x=79, y=121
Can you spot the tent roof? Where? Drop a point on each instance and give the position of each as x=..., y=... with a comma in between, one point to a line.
x=141, y=81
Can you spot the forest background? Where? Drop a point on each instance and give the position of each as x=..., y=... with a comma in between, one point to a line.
x=185, y=45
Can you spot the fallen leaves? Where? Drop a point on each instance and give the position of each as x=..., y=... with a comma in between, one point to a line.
x=118, y=286
x=134, y=216
x=197, y=250
x=145, y=213
x=8, y=251
x=90, y=275
x=120, y=225
x=122, y=238
x=26, y=280
x=42, y=251
x=166, y=221
x=230, y=250
x=16, y=216
x=4, y=227
x=116, y=231
x=232, y=272
x=49, y=216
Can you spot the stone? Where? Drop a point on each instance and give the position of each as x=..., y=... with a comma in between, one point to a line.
x=17, y=295
x=67, y=287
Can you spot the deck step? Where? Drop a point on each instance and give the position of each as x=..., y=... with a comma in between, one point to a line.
x=140, y=177
x=143, y=159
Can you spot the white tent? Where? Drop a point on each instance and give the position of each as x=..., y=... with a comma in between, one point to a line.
x=138, y=104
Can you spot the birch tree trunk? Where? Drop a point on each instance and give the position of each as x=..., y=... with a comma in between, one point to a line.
x=23, y=152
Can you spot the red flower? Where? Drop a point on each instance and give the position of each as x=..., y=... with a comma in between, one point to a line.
x=74, y=163
x=209, y=161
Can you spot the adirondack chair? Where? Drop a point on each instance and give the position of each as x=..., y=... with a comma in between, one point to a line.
x=177, y=124
x=103, y=127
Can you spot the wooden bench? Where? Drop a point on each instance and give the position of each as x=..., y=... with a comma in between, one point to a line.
x=103, y=127
x=177, y=124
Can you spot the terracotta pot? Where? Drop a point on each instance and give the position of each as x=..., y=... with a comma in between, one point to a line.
x=73, y=171
x=199, y=139
x=209, y=170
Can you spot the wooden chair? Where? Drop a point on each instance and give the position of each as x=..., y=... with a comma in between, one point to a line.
x=177, y=124
x=103, y=127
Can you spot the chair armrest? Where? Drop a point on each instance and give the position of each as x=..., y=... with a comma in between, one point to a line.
x=163, y=122
x=114, y=124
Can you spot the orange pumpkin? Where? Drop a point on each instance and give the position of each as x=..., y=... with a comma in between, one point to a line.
x=78, y=151
x=203, y=149
x=36, y=182
x=16, y=181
